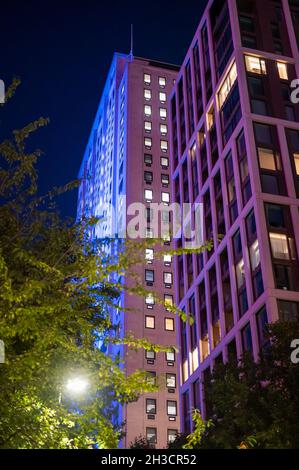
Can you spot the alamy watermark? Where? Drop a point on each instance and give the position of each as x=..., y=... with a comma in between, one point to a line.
x=295, y=353
x=295, y=92
x=2, y=92
x=153, y=220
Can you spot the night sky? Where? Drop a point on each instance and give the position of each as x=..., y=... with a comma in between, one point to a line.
x=62, y=50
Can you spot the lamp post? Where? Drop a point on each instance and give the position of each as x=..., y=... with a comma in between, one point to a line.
x=75, y=386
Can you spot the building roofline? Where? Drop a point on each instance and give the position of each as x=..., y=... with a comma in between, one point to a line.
x=159, y=64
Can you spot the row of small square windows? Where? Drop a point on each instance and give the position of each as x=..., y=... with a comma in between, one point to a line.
x=147, y=94
x=148, y=160
x=148, y=127
x=165, y=196
x=148, y=142
x=151, y=435
x=151, y=407
x=150, y=323
x=147, y=79
x=148, y=111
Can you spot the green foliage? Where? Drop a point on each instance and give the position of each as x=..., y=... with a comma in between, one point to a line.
x=201, y=427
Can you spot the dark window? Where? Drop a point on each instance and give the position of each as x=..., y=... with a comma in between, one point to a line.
x=262, y=321
x=237, y=242
x=247, y=339
x=288, y=311
x=275, y=216
x=149, y=275
x=148, y=176
x=186, y=412
x=196, y=395
x=148, y=159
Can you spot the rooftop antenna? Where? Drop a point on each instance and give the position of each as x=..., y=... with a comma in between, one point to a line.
x=131, y=49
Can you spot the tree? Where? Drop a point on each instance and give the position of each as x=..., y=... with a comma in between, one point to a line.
x=254, y=404
x=141, y=442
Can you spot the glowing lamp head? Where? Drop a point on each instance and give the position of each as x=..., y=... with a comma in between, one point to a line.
x=77, y=385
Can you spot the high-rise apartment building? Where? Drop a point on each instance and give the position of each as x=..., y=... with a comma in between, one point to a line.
x=127, y=161
x=235, y=148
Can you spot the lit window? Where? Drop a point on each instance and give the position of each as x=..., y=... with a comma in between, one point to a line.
x=165, y=179
x=147, y=110
x=279, y=245
x=147, y=94
x=170, y=380
x=171, y=408
x=149, y=275
x=165, y=197
x=167, y=259
x=164, y=162
x=282, y=70
x=147, y=79
x=148, y=194
x=149, y=322
x=267, y=159
x=296, y=160
x=162, y=82
x=147, y=126
x=163, y=113
x=149, y=299
x=169, y=324
x=151, y=435
x=148, y=142
x=168, y=301
x=163, y=129
x=164, y=145
x=171, y=435
x=170, y=356
x=150, y=354
x=149, y=254
x=255, y=65
x=162, y=97
x=227, y=85
x=167, y=278
x=240, y=273
x=254, y=255
x=151, y=406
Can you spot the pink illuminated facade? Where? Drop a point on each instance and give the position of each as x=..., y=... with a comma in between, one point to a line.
x=127, y=161
x=235, y=148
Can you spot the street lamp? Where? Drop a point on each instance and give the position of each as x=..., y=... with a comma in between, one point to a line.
x=75, y=386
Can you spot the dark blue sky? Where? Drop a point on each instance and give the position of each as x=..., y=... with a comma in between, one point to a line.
x=62, y=50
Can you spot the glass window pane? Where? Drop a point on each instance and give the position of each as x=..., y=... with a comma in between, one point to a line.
x=169, y=324
x=279, y=245
x=150, y=322
x=267, y=159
